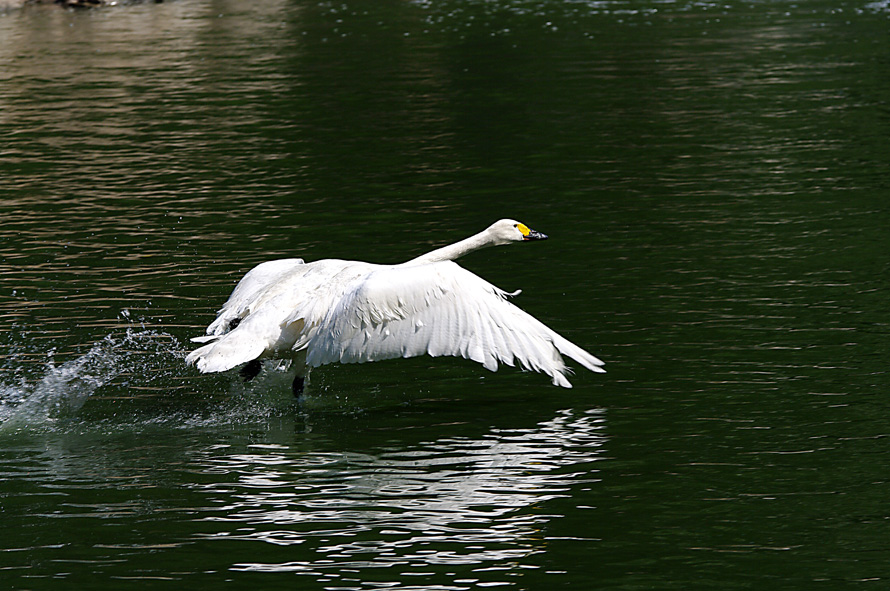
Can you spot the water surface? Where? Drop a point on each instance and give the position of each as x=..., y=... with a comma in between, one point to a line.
x=714, y=181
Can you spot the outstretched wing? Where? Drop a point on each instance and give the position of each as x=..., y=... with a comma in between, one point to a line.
x=437, y=309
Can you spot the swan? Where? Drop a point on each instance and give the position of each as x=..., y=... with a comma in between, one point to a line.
x=352, y=312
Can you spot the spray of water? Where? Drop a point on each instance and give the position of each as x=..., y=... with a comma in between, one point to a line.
x=64, y=388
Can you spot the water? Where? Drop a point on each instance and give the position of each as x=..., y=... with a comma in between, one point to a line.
x=713, y=177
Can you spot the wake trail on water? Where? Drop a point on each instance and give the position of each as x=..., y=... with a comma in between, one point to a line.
x=64, y=388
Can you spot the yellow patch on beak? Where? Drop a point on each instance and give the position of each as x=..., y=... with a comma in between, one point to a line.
x=523, y=229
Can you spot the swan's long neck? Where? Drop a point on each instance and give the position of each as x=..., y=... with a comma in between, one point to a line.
x=456, y=250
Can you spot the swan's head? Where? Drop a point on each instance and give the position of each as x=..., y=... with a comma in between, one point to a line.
x=506, y=231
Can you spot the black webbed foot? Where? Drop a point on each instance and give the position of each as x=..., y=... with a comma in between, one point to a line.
x=251, y=369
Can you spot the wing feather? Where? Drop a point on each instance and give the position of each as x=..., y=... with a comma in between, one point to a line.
x=437, y=309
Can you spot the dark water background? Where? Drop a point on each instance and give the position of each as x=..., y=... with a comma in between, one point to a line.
x=714, y=178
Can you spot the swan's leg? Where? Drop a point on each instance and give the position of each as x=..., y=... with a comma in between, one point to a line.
x=297, y=387
x=302, y=373
x=251, y=369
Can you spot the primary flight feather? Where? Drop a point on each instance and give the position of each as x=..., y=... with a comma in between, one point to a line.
x=352, y=312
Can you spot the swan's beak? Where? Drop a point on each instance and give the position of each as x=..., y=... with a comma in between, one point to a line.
x=534, y=235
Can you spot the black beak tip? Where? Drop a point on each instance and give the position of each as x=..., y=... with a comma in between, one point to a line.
x=535, y=235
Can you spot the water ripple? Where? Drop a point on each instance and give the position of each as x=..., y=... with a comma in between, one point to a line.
x=475, y=500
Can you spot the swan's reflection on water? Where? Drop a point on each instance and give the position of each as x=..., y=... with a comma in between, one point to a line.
x=443, y=502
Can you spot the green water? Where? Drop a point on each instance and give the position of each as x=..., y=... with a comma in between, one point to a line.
x=714, y=180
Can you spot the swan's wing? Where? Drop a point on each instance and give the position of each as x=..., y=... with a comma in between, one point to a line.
x=256, y=281
x=260, y=333
x=438, y=309
x=276, y=317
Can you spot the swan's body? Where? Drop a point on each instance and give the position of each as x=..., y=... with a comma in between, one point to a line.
x=352, y=312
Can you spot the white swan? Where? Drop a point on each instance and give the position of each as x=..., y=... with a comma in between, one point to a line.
x=353, y=312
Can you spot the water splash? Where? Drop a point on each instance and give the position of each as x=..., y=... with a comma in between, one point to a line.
x=878, y=6
x=64, y=388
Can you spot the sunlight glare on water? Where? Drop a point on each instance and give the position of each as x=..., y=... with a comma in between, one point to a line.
x=466, y=500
